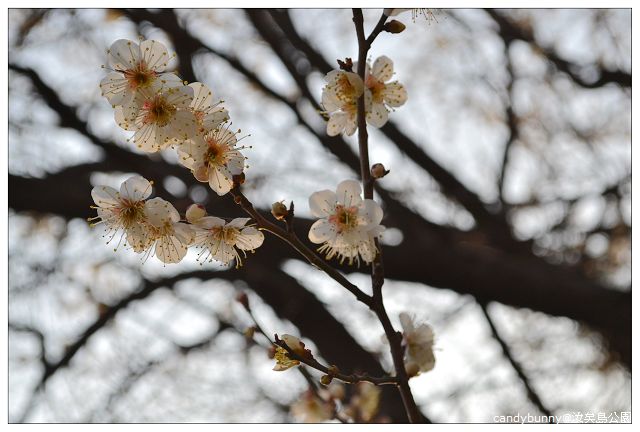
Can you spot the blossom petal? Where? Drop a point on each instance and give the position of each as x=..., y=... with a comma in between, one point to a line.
x=114, y=88
x=336, y=124
x=135, y=188
x=220, y=180
x=407, y=322
x=184, y=233
x=169, y=249
x=322, y=203
x=250, y=238
x=378, y=115
x=138, y=237
x=155, y=55
x=394, y=94
x=202, y=96
x=105, y=196
x=321, y=231
x=348, y=193
x=238, y=222
x=124, y=54
x=160, y=212
x=371, y=213
x=382, y=69
x=208, y=222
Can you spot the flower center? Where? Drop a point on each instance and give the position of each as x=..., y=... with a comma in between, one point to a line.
x=377, y=88
x=158, y=111
x=140, y=76
x=346, y=91
x=215, y=153
x=344, y=218
x=131, y=212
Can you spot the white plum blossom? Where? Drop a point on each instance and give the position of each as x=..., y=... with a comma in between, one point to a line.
x=311, y=409
x=208, y=115
x=348, y=226
x=213, y=158
x=339, y=98
x=136, y=67
x=124, y=211
x=159, y=117
x=419, y=341
x=169, y=238
x=384, y=95
x=221, y=240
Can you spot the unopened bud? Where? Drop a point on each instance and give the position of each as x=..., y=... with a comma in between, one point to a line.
x=279, y=210
x=195, y=212
x=394, y=26
x=326, y=379
x=243, y=299
x=378, y=171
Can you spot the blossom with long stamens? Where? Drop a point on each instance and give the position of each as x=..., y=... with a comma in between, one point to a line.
x=168, y=237
x=136, y=67
x=214, y=158
x=419, y=342
x=339, y=99
x=160, y=118
x=221, y=240
x=124, y=211
x=208, y=115
x=384, y=95
x=349, y=224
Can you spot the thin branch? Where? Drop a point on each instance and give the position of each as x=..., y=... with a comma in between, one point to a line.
x=531, y=393
x=377, y=269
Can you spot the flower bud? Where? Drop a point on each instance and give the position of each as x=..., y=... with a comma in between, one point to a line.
x=279, y=210
x=333, y=370
x=378, y=171
x=195, y=212
x=326, y=379
x=394, y=26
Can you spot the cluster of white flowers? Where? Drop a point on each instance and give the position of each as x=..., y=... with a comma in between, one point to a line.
x=163, y=111
x=154, y=227
x=343, y=88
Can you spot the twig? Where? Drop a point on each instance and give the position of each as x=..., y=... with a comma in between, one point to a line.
x=531, y=394
x=377, y=269
x=293, y=240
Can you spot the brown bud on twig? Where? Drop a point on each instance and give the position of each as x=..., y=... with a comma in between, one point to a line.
x=326, y=379
x=333, y=370
x=378, y=171
x=394, y=26
x=346, y=65
x=279, y=210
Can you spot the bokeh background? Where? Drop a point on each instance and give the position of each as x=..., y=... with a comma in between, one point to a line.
x=507, y=207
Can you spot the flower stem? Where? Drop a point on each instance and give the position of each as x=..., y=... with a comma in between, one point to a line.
x=377, y=269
